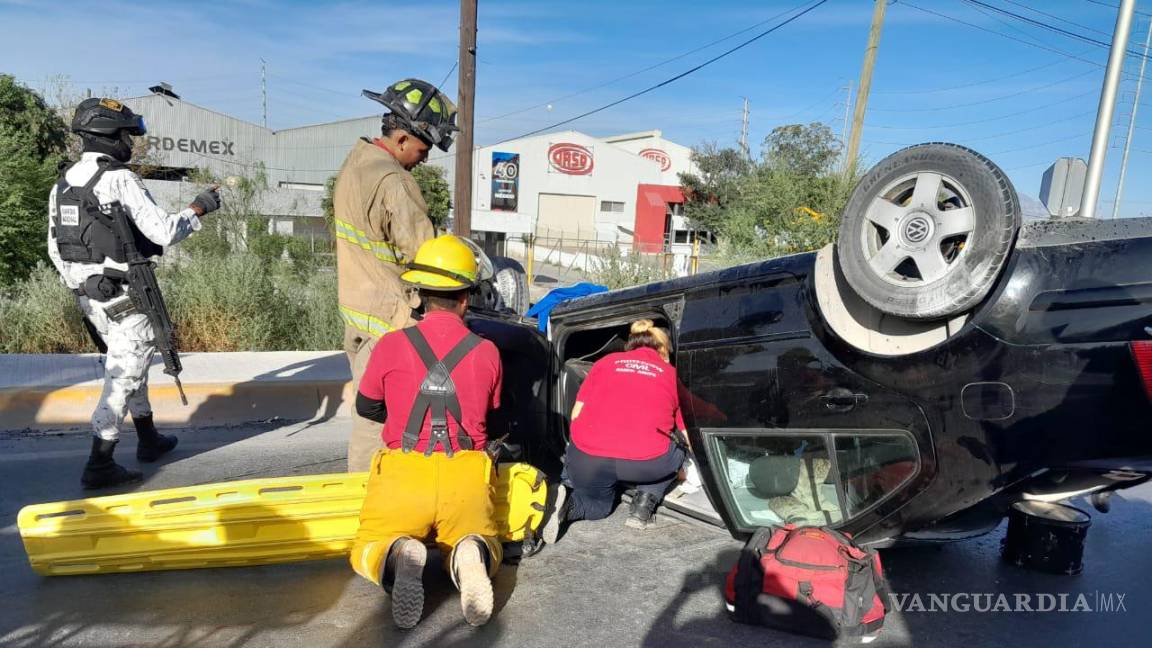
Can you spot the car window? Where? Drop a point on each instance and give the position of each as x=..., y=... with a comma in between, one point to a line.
x=774, y=478
x=778, y=479
x=872, y=467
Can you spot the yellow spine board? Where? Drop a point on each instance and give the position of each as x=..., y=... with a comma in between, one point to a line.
x=252, y=522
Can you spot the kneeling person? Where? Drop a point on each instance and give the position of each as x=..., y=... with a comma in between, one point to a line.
x=432, y=386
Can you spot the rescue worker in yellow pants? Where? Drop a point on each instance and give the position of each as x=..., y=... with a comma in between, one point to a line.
x=432, y=386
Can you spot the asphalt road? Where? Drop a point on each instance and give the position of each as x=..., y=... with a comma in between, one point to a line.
x=603, y=585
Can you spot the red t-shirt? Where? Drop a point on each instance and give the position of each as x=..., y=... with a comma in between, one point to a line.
x=394, y=374
x=630, y=406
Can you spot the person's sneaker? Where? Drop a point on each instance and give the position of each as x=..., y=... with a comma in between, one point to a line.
x=408, y=587
x=642, y=512
x=476, y=598
x=558, y=519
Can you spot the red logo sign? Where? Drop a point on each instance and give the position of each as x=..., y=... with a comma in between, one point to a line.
x=572, y=159
x=658, y=156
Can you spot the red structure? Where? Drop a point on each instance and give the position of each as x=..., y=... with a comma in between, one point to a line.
x=653, y=218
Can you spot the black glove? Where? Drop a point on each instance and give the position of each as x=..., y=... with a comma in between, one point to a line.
x=208, y=201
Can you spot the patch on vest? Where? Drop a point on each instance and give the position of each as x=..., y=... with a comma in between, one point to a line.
x=70, y=215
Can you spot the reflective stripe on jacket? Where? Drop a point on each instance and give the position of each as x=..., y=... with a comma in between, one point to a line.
x=380, y=221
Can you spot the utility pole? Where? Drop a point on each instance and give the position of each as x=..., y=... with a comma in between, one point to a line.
x=744, y=133
x=1132, y=124
x=865, y=85
x=264, y=90
x=1107, y=107
x=462, y=209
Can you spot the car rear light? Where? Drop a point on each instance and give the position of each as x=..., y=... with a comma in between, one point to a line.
x=1142, y=352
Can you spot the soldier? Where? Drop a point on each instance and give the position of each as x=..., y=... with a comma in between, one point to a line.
x=91, y=258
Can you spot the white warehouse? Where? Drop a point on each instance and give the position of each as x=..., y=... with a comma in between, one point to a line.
x=622, y=189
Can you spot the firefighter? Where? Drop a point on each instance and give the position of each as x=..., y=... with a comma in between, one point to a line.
x=89, y=257
x=380, y=221
x=432, y=386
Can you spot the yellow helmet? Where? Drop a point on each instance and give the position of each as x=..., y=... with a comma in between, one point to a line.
x=445, y=263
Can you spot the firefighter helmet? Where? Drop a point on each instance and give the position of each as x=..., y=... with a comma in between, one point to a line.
x=445, y=263
x=429, y=114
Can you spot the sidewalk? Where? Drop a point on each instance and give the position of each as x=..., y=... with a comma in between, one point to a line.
x=60, y=391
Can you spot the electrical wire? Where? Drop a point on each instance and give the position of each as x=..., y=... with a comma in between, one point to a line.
x=639, y=72
x=681, y=75
x=954, y=19
x=1055, y=17
x=1050, y=27
x=987, y=101
x=990, y=119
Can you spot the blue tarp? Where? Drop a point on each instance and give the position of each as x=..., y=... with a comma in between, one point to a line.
x=543, y=308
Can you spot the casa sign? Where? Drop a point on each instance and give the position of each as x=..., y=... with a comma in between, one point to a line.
x=571, y=159
x=658, y=156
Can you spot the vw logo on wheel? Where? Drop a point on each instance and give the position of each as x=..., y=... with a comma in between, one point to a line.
x=917, y=229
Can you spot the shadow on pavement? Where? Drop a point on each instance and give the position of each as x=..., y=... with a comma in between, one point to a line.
x=182, y=607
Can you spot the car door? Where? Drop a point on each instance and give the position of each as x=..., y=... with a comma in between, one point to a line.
x=785, y=432
x=529, y=374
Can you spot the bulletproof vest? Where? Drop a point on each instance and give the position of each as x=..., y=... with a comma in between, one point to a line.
x=437, y=396
x=84, y=234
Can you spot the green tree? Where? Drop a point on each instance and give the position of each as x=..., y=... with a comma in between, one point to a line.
x=787, y=202
x=434, y=188
x=32, y=138
x=716, y=190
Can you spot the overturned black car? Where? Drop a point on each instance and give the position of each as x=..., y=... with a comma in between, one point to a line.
x=942, y=361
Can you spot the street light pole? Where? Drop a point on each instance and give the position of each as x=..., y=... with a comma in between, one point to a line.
x=1131, y=125
x=1107, y=107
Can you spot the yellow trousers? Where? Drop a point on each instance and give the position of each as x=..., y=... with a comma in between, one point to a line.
x=427, y=498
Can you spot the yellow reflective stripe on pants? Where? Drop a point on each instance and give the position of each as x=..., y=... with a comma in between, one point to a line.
x=365, y=322
x=358, y=237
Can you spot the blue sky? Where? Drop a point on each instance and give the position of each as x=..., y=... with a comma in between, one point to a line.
x=936, y=79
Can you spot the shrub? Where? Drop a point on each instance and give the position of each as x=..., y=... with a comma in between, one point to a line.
x=40, y=315
x=615, y=269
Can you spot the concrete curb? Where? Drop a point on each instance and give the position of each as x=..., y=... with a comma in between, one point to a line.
x=38, y=391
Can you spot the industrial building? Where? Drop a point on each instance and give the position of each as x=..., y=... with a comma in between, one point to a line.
x=570, y=185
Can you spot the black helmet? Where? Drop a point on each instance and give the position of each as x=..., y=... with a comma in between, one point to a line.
x=106, y=117
x=429, y=114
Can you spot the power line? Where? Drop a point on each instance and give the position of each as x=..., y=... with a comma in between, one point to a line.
x=974, y=83
x=1050, y=27
x=992, y=119
x=987, y=101
x=1001, y=34
x=1055, y=17
x=1112, y=6
x=681, y=75
x=642, y=71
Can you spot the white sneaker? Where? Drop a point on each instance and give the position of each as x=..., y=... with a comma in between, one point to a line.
x=408, y=587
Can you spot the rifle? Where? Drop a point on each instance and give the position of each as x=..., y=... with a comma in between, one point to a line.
x=145, y=292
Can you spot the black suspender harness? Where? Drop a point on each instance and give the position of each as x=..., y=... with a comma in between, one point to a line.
x=437, y=395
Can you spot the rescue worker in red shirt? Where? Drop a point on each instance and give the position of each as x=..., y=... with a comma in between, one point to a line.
x=624, y=431
x=432, y=386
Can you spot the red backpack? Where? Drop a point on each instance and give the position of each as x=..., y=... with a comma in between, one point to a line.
x=808, y=580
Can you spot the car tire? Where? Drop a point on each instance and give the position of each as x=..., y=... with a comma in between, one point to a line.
x=511, y=283
x=918, y=256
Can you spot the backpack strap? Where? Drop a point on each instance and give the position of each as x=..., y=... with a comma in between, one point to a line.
x=437, y=397
x=749, y=582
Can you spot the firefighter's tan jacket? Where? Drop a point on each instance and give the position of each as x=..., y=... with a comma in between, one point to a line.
x=381, y=220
